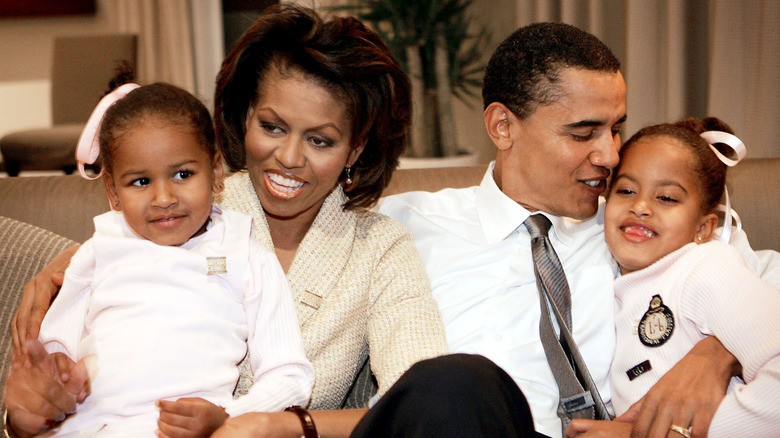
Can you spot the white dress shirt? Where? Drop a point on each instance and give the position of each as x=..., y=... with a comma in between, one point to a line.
x=477, y=253
x=154, y=322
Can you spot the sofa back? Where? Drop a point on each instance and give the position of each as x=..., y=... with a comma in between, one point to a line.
x=67, y=204
x=753, y=185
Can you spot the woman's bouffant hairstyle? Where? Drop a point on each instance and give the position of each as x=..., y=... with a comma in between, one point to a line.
x=159, y=101
x=344, y=57
x=524, y=71
x=710, y=171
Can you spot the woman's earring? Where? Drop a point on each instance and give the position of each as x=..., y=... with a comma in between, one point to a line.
x=348, y=169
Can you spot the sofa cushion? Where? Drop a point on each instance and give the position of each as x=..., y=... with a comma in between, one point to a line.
x=64, y=205
x=26, y=249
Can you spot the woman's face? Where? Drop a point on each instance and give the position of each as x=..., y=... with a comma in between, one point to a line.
x=297, y=143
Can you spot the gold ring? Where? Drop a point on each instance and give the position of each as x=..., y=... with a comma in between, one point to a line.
x=681, y=430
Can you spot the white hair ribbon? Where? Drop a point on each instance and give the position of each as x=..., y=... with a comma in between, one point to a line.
x=88, y=147
x=738, y=150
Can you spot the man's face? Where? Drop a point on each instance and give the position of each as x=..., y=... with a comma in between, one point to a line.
x=562, y=154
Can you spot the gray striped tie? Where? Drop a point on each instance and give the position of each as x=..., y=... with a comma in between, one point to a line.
x=577, y=390
x=548, y=266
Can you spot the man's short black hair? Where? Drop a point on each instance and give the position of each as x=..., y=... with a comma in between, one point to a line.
x=523, y=71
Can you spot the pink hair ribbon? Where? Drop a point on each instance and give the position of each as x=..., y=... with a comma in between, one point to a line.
x=738, y=150
x=88, y=147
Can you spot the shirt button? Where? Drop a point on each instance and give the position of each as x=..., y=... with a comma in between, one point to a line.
x=498, y=337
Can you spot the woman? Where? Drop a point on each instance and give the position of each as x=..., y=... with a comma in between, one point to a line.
x=314, y=115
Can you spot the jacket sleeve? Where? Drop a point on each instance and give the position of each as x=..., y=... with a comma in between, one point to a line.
x=405, y=325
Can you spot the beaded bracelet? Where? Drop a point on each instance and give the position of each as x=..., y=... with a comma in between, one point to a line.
x=309, y=429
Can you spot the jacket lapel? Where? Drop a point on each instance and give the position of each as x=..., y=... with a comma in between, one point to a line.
x=323, y=255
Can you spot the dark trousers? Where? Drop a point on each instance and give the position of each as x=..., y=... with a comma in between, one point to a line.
x=457, y=395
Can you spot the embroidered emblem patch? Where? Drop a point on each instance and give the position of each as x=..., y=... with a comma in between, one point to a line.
x=657, y=324
x=216, y=265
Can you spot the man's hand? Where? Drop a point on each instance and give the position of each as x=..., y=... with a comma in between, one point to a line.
x=37, y=396
x=36, y=298
x=598, y=429
x=189, y=417
x=688, y=395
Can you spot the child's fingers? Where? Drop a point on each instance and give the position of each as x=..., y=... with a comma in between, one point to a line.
x=174, y=419
x=189, y=417
x=64, y=365
x=40, y=361
x=78, y=381
x=172, y=431
x=178, y=407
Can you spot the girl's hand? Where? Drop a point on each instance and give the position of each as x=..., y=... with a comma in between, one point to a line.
x=595, y=428
x=36, y=298
x=36, y=395
x=189, y=417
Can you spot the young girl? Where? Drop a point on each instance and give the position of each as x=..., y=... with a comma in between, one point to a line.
x=678, y=284
x=159, y=304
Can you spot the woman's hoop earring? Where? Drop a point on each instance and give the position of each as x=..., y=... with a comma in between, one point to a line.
x=348, y=170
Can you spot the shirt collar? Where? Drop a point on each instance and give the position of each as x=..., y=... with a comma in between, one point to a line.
x=500, y=216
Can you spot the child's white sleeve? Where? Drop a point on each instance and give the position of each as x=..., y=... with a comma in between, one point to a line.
x=742, y=311
x=63, y=325
x=765, y=263
x=283, y=376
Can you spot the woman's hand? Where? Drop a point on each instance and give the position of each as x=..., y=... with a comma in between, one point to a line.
x=596, y=429
x=261, y=425
x=688, y=395
x=330, y=424
x=189, y=417
x=42, y=388
x=36, y=298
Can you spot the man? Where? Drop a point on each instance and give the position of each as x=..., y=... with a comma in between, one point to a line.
x=554, y=102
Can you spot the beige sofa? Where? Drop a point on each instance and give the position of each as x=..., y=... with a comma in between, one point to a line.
x=66, y=204
x=40, y=216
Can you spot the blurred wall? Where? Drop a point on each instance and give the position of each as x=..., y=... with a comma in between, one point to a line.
x=26, y=46
x=625, y=25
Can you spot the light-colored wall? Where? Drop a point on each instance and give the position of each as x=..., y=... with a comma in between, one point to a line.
x=26, y=50
x=26, y=46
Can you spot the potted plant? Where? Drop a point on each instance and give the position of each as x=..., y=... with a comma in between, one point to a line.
x=432, y=40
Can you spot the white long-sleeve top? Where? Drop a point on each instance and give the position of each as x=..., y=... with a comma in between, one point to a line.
x=709, y=291
x=153, y=323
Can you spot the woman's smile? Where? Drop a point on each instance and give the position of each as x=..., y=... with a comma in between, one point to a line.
x=283, y=186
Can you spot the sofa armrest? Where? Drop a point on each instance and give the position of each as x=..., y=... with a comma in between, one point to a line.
x=25, y=250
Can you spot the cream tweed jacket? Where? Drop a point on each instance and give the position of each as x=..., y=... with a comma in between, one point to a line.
x=359, y=287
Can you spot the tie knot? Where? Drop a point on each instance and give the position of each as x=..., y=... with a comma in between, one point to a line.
x=537, y=225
